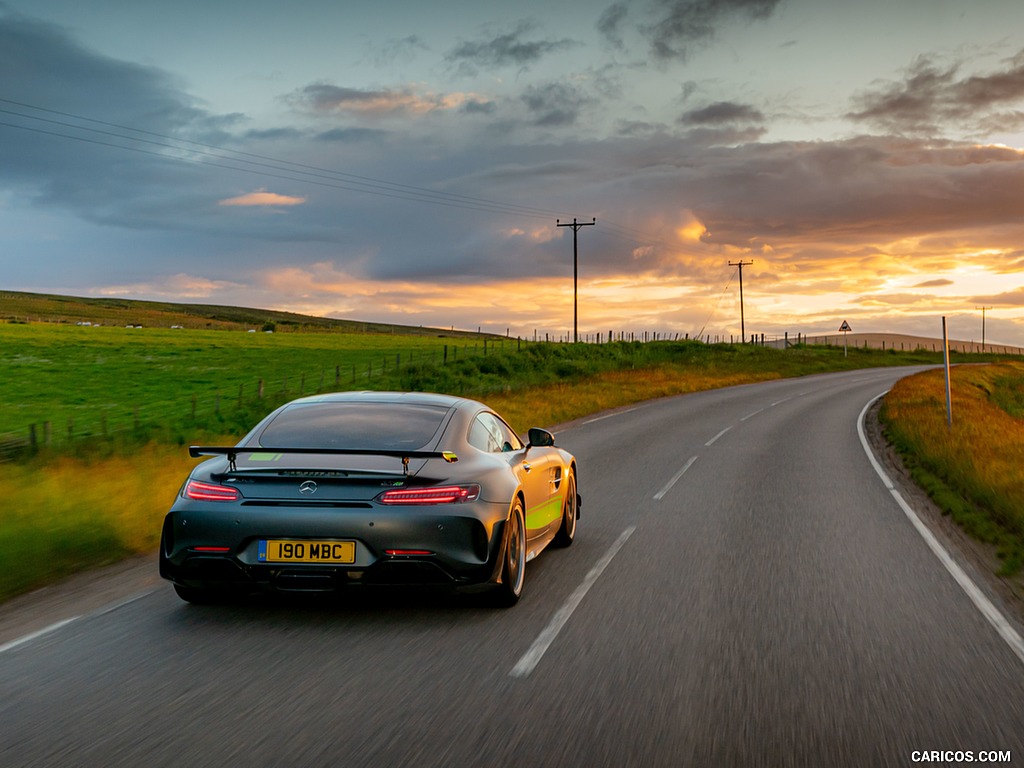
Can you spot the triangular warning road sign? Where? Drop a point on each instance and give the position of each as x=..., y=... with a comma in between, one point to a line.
x=845, y=326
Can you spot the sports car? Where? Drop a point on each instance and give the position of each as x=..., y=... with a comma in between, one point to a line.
x=370, y=488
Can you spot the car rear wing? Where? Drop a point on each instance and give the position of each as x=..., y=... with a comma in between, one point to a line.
x=232, y=452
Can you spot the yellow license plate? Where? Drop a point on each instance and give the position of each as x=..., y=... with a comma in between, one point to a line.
x=294, y=551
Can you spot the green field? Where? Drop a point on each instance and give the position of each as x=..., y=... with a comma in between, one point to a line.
x=162, y=382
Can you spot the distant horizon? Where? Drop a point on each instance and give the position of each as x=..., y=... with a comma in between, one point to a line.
x=836, y=336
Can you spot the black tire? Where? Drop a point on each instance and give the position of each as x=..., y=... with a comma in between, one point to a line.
x=570, y=513
x=513, y=567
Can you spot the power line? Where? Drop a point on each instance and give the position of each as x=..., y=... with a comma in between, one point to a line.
x=127, y=138
x=261, y=163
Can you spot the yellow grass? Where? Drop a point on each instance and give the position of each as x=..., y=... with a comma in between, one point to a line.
x=558, y=403
x=975, y=468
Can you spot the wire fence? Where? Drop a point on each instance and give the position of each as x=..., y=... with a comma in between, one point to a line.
x=225, y=409
x=230, y=410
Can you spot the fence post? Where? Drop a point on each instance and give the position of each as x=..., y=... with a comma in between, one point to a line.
x=259, y=390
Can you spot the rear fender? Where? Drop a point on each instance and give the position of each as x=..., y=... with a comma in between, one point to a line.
x=499, y=560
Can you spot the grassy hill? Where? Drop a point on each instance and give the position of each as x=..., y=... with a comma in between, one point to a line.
x=16, y=306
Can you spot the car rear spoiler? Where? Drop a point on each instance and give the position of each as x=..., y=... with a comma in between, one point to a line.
x=232, y=452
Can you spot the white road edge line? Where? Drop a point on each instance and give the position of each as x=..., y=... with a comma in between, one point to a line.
x=607, y=416
x=981, y=602
x=752, y=415
x=63, y=623
x=674, y=480
x=122, y=603
x=713, y=439
x=36, y=635
x=536, y=652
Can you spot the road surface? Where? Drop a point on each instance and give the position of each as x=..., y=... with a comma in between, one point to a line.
x=744, y=590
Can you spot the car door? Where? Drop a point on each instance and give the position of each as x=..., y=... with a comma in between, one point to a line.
x=530, y=465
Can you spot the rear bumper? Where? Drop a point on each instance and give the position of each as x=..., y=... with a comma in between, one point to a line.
x=464, y=548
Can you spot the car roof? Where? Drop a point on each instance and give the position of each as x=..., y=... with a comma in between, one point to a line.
x=405, y=398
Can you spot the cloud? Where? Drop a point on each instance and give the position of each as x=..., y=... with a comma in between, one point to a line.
x=682, y=23
x=179, y=287
x=509, y=49
x=726, y=112
x=611, y=22
x=382, y=55
x=262, y=198
x=555, y=105
x=931, y=98
x=325, y=98
x=940, y=283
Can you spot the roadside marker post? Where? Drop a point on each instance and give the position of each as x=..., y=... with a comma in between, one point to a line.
x=845, y=329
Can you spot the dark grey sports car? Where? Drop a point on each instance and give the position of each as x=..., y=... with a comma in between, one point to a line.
x=360, y=488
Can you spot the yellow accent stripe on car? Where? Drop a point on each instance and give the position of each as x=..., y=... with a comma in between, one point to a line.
x=545, y=514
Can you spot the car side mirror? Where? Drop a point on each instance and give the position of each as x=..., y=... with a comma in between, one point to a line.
x=540, y=438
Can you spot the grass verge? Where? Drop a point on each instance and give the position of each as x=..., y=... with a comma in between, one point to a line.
x=974, y=468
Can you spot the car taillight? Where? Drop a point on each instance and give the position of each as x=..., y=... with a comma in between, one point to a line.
x=208, y=492
x=441, y=494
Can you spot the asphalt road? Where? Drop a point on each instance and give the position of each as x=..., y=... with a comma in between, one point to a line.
x=744, y=590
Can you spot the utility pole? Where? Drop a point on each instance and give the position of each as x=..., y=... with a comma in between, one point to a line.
x=575, y=269
x=983, y=326
x=741, y=264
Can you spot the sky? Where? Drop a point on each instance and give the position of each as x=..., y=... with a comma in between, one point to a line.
x=411, y=162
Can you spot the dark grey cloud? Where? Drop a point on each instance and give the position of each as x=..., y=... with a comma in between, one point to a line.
x=477, y=107
x=82, y=131
x=509, y=49
x=931, y=95
x=611, y=22
x=679, y=24
x=324, y=97
x=722, y=112
x=555, y=104
x=350, y=135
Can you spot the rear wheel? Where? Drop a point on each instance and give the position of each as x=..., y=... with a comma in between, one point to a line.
x=567, y=531
x=513, y=569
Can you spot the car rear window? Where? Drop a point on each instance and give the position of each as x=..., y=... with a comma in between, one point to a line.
x=373, y=426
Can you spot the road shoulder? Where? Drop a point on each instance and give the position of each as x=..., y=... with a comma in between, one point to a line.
x=979, y=559
x=79, y=595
